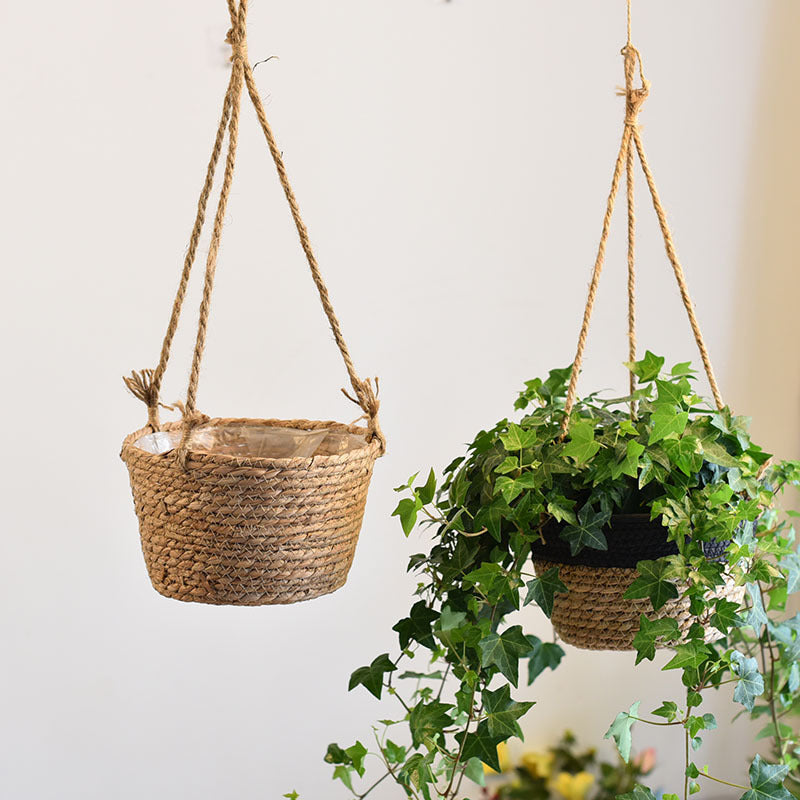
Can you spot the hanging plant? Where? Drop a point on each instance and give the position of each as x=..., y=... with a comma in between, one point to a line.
x=684, y=463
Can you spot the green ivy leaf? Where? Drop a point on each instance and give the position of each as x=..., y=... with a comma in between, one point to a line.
x=417, y=627
x=725, y=616
x=630, y=464
x=544, y=655
x=582, y=447
x=652, y=632
x=648, y=368
x=427, y=492
x=395, y=754
x=766, y=781
x=481, y=745
x=371, y=677
x=357, y=753
x=620, y=731
x=427, y=721
x=504, y=652
x=345, y=775
x=640, y=792
x=502, y=713
x=653, y=582
x=292, y=796
x=667, y=422
x=542, y=590
x=517, y=438
x=672, y=393
x=751, y=682
x=475, y=772
x=588, y=532
x=690, y=655
x=407, y=510
x=668, y=710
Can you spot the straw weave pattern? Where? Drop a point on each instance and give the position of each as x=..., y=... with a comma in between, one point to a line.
x=594, y=615
x=229, y=530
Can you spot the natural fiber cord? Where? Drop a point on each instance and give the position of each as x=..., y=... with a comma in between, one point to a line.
x=631, y=148
x=232, y=529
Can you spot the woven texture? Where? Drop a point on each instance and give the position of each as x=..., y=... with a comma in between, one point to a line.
x=228, y=530
x=594, y=615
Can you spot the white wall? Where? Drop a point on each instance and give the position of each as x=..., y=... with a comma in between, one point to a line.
x=452, y=161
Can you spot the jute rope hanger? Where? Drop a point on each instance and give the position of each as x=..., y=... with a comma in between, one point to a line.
x=630, y=149
x=146, y=384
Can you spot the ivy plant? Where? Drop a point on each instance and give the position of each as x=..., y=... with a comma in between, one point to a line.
x=456, y=675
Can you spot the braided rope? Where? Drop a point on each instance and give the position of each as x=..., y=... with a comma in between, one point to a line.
x=146, y=385
x=631, y=148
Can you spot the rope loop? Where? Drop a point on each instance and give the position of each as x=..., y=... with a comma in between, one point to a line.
x=366, y=397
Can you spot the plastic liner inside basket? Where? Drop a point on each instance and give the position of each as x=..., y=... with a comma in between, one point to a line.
x=254, y=441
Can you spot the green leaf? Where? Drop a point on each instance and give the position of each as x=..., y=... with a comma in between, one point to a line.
x=651, y=633
x=371, y=677
x=640, y=792
x=667, y=422
x=542, y=590
x=395, y=754
x=588, y=532
x=292, y=796
x=766, y=781
x=582, y=447
x=690, y=655
x=407, y=510
x=653, y=582
x=357, y=753
x=648, y=368
x=512, y=488
x=336, y=755
x=668, y=710
x=502, y=713
x=345, y=775
x=481, y=745
x=517, y=438
x=696, y=724
x=630, y=464
x=725, y=616
x=751, y=682
x=417, y=627
x=544, y=655
x=620, y=731
x=504, y=652
x=427, y=721
x=475, y=772
x=427, y=492
x=672, y=393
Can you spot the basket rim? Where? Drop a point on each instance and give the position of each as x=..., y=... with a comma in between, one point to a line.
x=369, y=448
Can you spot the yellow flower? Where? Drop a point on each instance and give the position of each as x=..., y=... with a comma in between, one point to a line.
x=540, y=765
x=573, y=787
x=503, y=757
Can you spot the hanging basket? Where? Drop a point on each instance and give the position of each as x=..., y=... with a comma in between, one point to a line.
x=594, y=614
x=247, y=511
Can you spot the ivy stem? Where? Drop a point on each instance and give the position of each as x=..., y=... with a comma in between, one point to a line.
x=771, y=698
x=374, y=786
x=470, y=717
x=727, y=783
x=650, y=722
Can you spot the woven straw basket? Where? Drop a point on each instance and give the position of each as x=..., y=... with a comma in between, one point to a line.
x=245, y=527
x=249, y=531
x=594, y=614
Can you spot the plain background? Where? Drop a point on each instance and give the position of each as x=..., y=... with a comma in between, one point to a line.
x=452, y=161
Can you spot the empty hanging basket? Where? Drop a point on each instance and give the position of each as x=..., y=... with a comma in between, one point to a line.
x=243, y=511
x=594, y=613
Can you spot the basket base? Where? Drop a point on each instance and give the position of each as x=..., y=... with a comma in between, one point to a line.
x=594, y=615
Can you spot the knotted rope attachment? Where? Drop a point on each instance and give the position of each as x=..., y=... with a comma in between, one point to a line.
x=146, y=384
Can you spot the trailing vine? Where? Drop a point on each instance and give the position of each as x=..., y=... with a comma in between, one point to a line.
x=677, y=458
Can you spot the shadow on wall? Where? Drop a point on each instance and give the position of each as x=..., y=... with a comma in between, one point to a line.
x=765, y=361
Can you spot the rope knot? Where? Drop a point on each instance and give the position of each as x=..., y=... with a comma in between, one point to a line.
x=143, y=387
x=367, y=399
x=237, y=39
x=634, y=98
